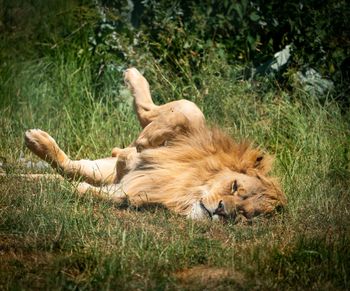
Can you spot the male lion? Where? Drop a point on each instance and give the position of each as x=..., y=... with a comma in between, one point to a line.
x=176, y=161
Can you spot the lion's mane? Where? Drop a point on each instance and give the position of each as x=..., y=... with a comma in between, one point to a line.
x=176, y=175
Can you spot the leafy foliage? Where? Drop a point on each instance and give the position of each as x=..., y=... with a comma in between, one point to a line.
x=181, y=34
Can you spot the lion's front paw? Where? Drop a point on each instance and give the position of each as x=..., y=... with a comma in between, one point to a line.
x=44, y=146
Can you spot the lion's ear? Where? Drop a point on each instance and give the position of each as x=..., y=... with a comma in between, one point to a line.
x=258, y=161
x=263, y=163
x=254, y=160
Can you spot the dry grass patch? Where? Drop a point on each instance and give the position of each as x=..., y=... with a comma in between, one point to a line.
x=209, y=278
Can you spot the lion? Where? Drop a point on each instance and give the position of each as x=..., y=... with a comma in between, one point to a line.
x=177, y=161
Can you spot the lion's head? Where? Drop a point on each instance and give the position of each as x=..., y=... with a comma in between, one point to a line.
x=232, y=193
x=205, y=174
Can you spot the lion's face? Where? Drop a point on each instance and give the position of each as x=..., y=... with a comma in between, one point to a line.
x=231, y=193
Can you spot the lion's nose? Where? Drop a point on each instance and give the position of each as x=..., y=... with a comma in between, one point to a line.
x=220, y=210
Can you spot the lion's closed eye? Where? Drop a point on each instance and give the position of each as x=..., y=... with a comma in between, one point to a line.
x=239, y=191
x=234, y=187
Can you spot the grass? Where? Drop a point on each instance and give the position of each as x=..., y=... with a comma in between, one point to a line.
x=52, y=239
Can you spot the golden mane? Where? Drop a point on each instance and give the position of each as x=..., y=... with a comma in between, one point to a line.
x=176, y=175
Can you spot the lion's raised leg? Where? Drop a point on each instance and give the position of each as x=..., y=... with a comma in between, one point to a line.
x=97, y=172
x=143, y=103
x=147, y=111
x=161, y=123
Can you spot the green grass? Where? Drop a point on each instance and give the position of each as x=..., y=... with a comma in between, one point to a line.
x=52, y=239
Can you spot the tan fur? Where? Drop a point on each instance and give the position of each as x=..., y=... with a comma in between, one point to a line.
x=203, y=166
x=176, y=161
